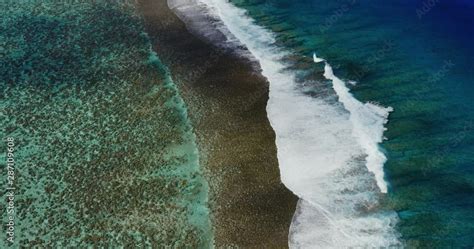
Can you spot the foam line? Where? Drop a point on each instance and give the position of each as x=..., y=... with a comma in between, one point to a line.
x=328, y=152
x=368, y=121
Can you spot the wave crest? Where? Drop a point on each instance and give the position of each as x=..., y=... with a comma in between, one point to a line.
x=328, y=152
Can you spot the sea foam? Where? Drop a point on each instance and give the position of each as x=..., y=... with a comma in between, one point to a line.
x=368, y=122
x=328, y=152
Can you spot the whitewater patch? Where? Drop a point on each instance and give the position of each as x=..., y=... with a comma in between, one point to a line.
x=328, y=152
x=368, y=122
x=316, y=59
x=207, y=25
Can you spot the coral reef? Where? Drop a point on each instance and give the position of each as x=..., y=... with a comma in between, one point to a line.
x=105, y=154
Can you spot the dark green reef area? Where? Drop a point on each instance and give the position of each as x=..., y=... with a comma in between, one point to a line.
x=124, y=139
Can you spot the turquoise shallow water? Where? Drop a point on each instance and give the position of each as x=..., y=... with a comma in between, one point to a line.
x=105, y=155
x=418, y=60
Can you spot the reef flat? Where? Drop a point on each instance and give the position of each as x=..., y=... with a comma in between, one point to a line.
x=226, y=99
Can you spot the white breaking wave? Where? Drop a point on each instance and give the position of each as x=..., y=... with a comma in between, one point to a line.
x=352, y=82
x=316, y=59
x=368, y=122
x=328, y=153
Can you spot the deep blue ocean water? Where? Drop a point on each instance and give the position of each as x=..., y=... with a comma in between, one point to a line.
x=417, y=57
